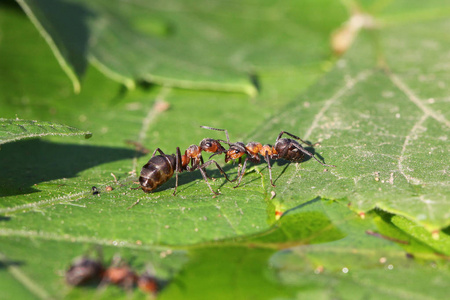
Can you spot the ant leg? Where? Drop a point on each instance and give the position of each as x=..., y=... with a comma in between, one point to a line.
x=243, y=172
x=206, y=180
x=217, y=129
x=218, y=167
x=191, y=168
x=157, y=150
x=266, y=156
x=239, y=169
x=177, y=169
x=294, y=136
x=201, y=160
x=312, y=155
x=176, y=184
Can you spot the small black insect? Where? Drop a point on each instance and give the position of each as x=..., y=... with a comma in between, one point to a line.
x=95, y=191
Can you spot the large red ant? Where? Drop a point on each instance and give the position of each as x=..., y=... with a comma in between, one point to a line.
x=160, y=168
x=284, y=148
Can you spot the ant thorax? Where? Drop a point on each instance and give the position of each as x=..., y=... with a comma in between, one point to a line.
x=193, y=151
x=253, y=148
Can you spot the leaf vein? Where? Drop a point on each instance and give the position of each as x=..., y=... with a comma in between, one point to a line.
x=43, y=202
x=402, y=156
x=348, y=86
x=413, y=98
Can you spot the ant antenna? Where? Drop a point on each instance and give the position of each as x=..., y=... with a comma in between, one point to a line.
x=217, y=129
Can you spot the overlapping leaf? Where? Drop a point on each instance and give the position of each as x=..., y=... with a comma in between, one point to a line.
x=14, y=130
x=196, y=44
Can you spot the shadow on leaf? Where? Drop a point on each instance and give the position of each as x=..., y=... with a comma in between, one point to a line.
x=30, y=162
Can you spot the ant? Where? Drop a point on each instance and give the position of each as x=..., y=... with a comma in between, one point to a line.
x=160, y=168
x=85, y=270
x=284, y=148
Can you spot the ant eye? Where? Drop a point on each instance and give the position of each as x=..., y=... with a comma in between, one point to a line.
x=236, y=151
x=208, y=144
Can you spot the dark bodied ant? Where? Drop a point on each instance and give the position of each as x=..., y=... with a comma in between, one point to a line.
x=160, y=168
x=284, y=148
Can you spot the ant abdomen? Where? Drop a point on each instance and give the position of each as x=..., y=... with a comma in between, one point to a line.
x=158, y=170
x=290, y=150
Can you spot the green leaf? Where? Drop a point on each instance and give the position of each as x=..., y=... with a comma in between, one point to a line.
x=15, y=130
x=350, y=266
x=194, y=44
x=439, y=242
x=378, y=110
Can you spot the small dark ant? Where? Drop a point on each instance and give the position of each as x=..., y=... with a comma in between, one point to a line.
x=284, y=148
x=160, y=168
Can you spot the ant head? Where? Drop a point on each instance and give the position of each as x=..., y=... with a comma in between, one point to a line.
x=236, y=151
x=211, y=146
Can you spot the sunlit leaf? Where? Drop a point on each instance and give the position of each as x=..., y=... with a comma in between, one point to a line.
x=14, y=130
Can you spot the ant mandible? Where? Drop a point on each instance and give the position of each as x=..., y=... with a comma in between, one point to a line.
x=284, y=148
x=160, y=168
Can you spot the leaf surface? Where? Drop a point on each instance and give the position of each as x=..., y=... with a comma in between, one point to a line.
x=378, y=112
x=14, y=130
x=194, y=44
